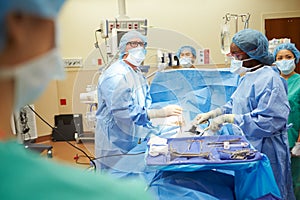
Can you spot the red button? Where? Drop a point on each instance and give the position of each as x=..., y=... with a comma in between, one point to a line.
x=63, y=102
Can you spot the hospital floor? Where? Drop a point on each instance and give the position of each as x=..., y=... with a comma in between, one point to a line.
x=65, y=153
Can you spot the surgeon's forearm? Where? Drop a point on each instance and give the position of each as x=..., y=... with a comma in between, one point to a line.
x=140, y=116
x=257, y=128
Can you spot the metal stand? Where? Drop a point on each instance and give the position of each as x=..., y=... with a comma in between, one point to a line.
x=39, y=148
x=85, y=137
x=244, y=17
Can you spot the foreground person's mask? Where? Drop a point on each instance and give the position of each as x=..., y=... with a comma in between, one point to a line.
x=32, y=77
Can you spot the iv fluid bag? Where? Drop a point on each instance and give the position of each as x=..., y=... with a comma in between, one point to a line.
x=225, y=39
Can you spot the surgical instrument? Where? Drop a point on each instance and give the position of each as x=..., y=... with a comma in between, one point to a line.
x=222, y=142
x=194, y=130
x=227, y=145
x=242, y=154
x=192, y=141
x=205, y=155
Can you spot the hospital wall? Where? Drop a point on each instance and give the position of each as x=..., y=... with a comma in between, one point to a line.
x=199, y=20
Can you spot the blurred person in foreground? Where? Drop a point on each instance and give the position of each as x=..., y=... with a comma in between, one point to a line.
x=29, y=60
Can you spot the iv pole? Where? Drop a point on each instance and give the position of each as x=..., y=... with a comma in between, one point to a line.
x=225, y=32
x=244, y=17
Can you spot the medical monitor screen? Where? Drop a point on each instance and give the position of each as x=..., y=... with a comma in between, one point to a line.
x=116, y=37
x=119, y=36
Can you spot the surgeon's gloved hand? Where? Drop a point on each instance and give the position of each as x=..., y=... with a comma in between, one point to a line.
x=216, y=123
x=296, y=149
x=203, y=117
x=167, y=111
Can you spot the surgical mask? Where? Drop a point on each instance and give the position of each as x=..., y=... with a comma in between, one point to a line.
x=286, y=66
x=32, y=78
x=185, y=62
x=136, y=56
x=236, y=66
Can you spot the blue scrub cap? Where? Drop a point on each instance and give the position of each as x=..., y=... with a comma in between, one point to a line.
x=187, y=48
x=255, y=44
x=43, y=8
x=127, y=37
x=288, y=46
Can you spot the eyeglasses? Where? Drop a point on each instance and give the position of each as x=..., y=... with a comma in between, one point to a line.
x=235, y=55
x=134, y=44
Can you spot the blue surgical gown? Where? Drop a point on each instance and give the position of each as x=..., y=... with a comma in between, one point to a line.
x=261, y=109
x=122, y=121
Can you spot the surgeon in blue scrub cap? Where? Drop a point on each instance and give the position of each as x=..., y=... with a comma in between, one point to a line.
x=186, y=56
x=287, y=56
x=286, y=70
x=124, y=114
x=29, y=60
x=259, y=106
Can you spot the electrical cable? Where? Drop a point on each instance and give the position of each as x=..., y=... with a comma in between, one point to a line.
x=95, y=75
x=97, y=45
x=76, y=158
x=89, y=157
x=239, y=128
x=93, y=105
x=106, y=42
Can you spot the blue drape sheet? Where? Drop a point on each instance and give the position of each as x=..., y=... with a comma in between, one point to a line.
x=198, y=91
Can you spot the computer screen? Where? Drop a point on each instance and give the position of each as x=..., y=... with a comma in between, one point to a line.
x=116, y=36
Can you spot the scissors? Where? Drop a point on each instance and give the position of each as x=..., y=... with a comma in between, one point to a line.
x=242, y=154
